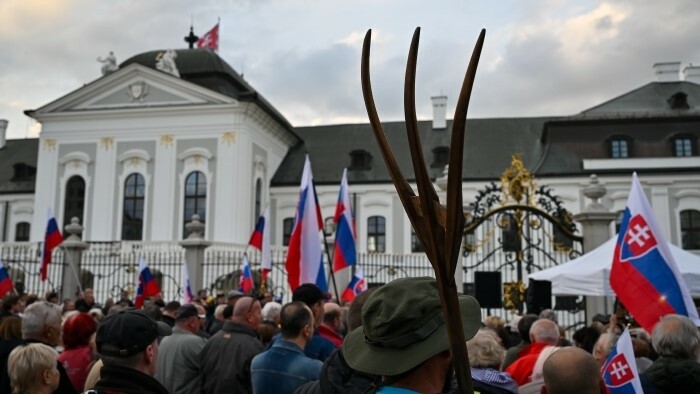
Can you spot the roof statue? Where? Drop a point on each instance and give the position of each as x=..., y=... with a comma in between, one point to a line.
x=165, y=61
x=109, y=63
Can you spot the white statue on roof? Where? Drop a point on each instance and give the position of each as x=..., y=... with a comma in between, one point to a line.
x=109, y=63
x=165, y=61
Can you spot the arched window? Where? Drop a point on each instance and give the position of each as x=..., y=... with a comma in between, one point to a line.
x=376, y=234
x=195, y=198
x=619, y=148
x=690, y=229
x=258, y=198
x=74, y=204
x=132, y=217
x=22, y=232
x=328, y=226
x=287, y=227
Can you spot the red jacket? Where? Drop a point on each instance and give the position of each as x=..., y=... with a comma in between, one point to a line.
x=521, y=369
x=330, y=334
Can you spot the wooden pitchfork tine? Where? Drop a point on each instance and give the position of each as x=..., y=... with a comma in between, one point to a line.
x=439, y=228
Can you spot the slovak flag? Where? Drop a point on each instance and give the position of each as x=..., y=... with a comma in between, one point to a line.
x=148, y=287
x=210, y=40
x=344, y=250
x=245, y=280
x=356, y=286
x=304, y=262
x=187, y=295
x=52, y=239
x=261, y=240
x=6, y=285
x=620, y=369
x=644, y=274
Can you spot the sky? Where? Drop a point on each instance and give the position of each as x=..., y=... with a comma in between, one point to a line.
x=540, y=57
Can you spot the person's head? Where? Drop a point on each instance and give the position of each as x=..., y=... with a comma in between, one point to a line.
x=544, y=331
x=297, y=322
x=89, y=296
x=189, y=319
x=355, y=311
x=233, y=296
x=524, y=326
x=219, y=312
x=271, y=312
x=129, y=338
x=77, y=330
x=549, y=315
x=171, y=309
x=11, y=328
x=571, y=367
x=154, y=311
x=228, y=312
x=42, y=322
x=12, y=303
x=313, y=297
x=52, y=297
x=247, y=311
x=96, y=314
x=602, y=347
x=676, y=336
x=202, y=294
x=404, y=332
x=332, y=315
x=68, y=305
x=485, y=351
x=32, y=368
x=586, y=338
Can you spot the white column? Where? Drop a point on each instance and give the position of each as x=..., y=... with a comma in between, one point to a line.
x=164, y=180
x=102, y=226
x=46, y=186
x=660, y=205
x=226, y=192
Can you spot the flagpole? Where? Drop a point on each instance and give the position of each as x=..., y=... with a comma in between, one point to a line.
x=330, y=265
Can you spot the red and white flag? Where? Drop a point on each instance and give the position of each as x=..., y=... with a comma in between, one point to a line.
x=210, y=40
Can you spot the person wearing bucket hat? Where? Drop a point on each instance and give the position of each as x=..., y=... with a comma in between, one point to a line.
x=127, y=342
x=403, y=336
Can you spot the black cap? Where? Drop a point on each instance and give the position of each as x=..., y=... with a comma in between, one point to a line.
x=186, y=311
x=309, y=294
x=128, y=332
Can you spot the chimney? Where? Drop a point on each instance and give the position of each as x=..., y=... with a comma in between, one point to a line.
x=439, y=112
x=3, y=129
x=667, y=72
x=692, y=73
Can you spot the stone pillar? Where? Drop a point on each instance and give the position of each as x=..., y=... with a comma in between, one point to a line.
x=73, y=248
x=194, y=252
x=595, y=222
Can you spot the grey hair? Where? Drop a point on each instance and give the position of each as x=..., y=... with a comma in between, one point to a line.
x=485, y=351
x=549, y=315
x=219, y=311
x=546, y=331
x=676, y=336
x=39, y=315
x=271, y=311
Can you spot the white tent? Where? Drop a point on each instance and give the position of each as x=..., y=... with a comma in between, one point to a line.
x=590, y=274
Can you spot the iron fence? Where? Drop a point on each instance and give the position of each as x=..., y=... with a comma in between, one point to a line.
x=23, y=262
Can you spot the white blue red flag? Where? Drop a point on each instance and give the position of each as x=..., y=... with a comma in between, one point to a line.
x=245, y=280
x=260, y=239
x=356, y=286
x=187, y=294
x=620, y=369
x=52, y=239
x=304, y=262
x=344, y=250
x=644, y=274
x=210, y=39
x=148, y=287
x=6, y=285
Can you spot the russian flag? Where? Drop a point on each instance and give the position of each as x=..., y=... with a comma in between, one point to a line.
x=620, y=369
x=644, y=274
x=148, y=287
x=304, y=262
x=356, y=286
x=52, y=239
x=260, y=239
x=245, y=280
x=187, y=294
x=6, y=285
x=344, y=250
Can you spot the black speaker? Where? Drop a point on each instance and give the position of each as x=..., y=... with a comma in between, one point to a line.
x=538, y=296
x=488, y=289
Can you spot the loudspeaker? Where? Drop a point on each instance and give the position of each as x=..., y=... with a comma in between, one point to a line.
x=538, y=296
x=488, y=289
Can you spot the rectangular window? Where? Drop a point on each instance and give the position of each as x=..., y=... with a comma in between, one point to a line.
x=287, y=226
x=376, y=234
x=683, y=147
x=619, y=149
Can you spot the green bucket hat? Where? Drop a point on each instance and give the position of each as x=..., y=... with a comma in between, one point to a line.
x=402, y=326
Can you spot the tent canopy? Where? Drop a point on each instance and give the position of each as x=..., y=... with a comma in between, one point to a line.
x=589, y=274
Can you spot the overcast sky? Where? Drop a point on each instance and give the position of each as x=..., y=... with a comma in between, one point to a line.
x=549, y=57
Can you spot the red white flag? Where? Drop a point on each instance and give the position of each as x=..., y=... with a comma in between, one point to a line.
x=210, y=40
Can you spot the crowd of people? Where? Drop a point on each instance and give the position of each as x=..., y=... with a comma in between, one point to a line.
x=389, y=339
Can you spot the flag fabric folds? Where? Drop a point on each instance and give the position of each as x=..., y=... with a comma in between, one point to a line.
x=210, y=40
x=52, y=239
x=6, y=284
x=148, y=287
x=344, y=252
x=260, y=239
x=620, y=369
x=245, y=280
x=356, y=286
x=304, y=262
x=187, y=294
x=644, y=274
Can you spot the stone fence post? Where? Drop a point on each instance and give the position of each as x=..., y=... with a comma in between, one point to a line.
x=195, y=245
x=73, y=248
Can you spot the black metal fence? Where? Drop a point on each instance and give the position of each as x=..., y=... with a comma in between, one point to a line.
x=23, y=262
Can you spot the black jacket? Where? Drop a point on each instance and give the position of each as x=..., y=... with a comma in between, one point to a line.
x=337, y=377
x=122, y=380
x=671, y=375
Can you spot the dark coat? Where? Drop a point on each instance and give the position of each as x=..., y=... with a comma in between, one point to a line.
x=122, y=380
x=672, y=375
x=337, y=377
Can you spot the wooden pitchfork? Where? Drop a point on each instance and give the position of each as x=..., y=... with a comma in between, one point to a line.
x=439, y=228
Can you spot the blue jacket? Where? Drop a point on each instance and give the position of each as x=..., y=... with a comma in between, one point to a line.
x=283, y=368
x=318, y=348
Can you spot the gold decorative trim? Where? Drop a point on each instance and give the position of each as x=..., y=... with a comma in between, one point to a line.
x=50, y=144
x=517, y=182
x=197, y=159
x=229, y=137
x=513, y=295
x=167, y=140
x=107, y=143
x=134, y=162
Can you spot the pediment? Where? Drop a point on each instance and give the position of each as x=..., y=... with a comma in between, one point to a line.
x=135, y=86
